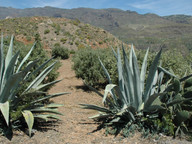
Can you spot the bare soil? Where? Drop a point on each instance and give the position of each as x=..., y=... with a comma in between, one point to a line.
x=75, y=127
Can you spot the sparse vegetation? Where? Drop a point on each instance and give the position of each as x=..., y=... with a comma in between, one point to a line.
x=87, y=66
x=46, y=31
x=60, y=52
x=63, y=40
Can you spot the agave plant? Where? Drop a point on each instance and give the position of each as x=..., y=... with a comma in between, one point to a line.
x=137, y=99
x=14, y=75
x=133, y=96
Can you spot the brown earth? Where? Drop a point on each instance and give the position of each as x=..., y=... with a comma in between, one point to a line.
x=75, y=127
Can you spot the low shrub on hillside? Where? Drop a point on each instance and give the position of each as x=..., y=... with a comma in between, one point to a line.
x=88, y=68
x=88, y=58
x=46, y=31
x=171, y=60
x=60, y=52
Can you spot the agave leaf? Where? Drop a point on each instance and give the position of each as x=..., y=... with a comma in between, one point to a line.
x=10, y=68
x=152, y=98
x=129, y=87
x=29, y=119
x=93, y=89
x=167, y=72
x=185, y=78
x=46, y=116
x=108, y=89
x=94, y=107
x=4, y=107
x=40, y=67
x=143, y=70
x=9, y=53
x=45, y=109
x=11, y=85
x=130, y=59
x=53, y=105
x=154, y=87
x=25, y=58
x=47, y=85
x=106, y=72
x=29, y=66
x=115, y=54
x=49, y=96
x=152, y=71
x=160, y=80
x=96, y=91
x=100, y=116
x=136, y=82
x=120, y=71
x=131, y=116
x=2, y=61
x=40, y=77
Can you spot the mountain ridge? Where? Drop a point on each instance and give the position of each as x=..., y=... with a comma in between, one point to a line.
x=144, y=30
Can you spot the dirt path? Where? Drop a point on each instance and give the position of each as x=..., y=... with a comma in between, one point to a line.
x=74, y=127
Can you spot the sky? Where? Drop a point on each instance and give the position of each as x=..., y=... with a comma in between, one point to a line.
x=159, y=7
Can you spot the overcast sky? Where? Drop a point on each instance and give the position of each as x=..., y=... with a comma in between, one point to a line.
x=160, y=7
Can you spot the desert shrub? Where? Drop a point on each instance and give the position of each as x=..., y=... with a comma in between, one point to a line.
x=81, y=46
x=63, y=40
x=60, y=52
x=75, y=22
x=46, y=31
x=171, y=60
x=28, y=38
x=88, y=68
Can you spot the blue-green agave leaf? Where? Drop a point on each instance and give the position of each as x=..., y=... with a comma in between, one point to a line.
x=4, y=107
x=95, y=107
x=46, y=117
x=40, y=77
x=143, y=70
x=9, y=53
x=49, y=96
x=106, y=72
x=151, y=75
x=108, y=89
x=29, y=119
x=25, y=58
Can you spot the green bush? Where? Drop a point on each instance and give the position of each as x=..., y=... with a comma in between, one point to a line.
x=60, y=52
x=88, y=68
x=46, y=31
x=172, y=60
x=63, y=40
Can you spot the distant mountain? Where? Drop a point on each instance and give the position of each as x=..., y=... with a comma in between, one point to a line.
x=148, y=30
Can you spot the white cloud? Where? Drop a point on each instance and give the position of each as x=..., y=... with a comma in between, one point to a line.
x=164, y=7
x=53, y=3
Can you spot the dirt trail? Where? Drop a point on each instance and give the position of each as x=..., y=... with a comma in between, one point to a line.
x=74, y=127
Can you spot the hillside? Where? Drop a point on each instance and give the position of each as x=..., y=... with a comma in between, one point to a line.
x=148, y=30
x=71, y=34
